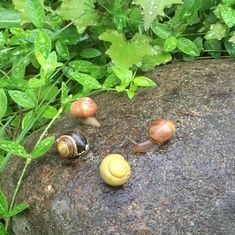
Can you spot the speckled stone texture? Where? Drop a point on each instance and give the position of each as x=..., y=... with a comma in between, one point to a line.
x=186, y=186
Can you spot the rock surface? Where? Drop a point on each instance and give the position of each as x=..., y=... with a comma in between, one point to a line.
x=186, y=186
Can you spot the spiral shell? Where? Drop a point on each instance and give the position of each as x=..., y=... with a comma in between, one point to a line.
x=161, y=130
x=115, y=170
x=83, y=108
x=72, y=144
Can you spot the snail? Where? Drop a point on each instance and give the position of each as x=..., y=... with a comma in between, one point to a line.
x=115, y=170
x=85, y=109
x=72, y=144
x=159, y=131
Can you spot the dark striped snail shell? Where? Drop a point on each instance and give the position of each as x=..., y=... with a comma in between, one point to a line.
x=72, y=144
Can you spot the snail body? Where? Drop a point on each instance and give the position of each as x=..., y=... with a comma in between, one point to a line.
x=72, y=144
x=115, y=170
x=160, y=131
x=85, y=109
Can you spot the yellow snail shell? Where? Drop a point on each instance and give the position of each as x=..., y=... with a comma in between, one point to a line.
x=115, y=170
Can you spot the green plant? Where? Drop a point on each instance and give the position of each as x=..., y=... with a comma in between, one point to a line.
x=53, y=52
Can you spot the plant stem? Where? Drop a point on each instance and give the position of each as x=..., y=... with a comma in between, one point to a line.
x=17, y=189
x=28, y=161
x=49, y=125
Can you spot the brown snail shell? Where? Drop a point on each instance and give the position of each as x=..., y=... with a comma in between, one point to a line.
x=72, y=144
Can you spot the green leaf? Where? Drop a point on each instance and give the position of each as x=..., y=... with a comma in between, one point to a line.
x=2, y=229
x=121, y=49
x=123, y=74
x=17, y=209
x=35, y=83
x=85, y=67
x=27, y=119
x=162, y=30
x=14, y=148
x=82, y=13
x=86, y=80
x=188, y=47
x=150, y=62
x=9, y=18
x=228, y=2
x=170, y=44
x=42, y=43
x=217, y=31
x=3, y=103
x=89, y=53
x=22, y=98
x=1, y=159
x=35, y=10
x=130, y=94
x=111, y=81
x=154, y=8
x=43, y=147
x=228, y=15
x=214, y=48
x=64, y=98
x=3, y=204
x=49, y=93
x=144, y=81
x=49, y=112
x=62, y=49
x=230, y=47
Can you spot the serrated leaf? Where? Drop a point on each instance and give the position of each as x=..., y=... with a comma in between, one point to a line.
x=217, y=31
x=17, y=209
x=14, y=148
x=150, y=62
x=3, y=204
x=43, y=147
x=82, y=13
x=144, y=81
x=154, y=8
x=121, y=49
x=170, y=44
x=42, y=43
x=22, y=98
x=3, y=103
x=35, y=11
x=188, y=47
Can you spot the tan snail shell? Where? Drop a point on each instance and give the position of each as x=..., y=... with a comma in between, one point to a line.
x=72, y=144
x=85, y=109
x=115, y=170
x=160, y=131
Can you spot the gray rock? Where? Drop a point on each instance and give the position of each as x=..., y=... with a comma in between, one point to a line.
x=186, y=186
